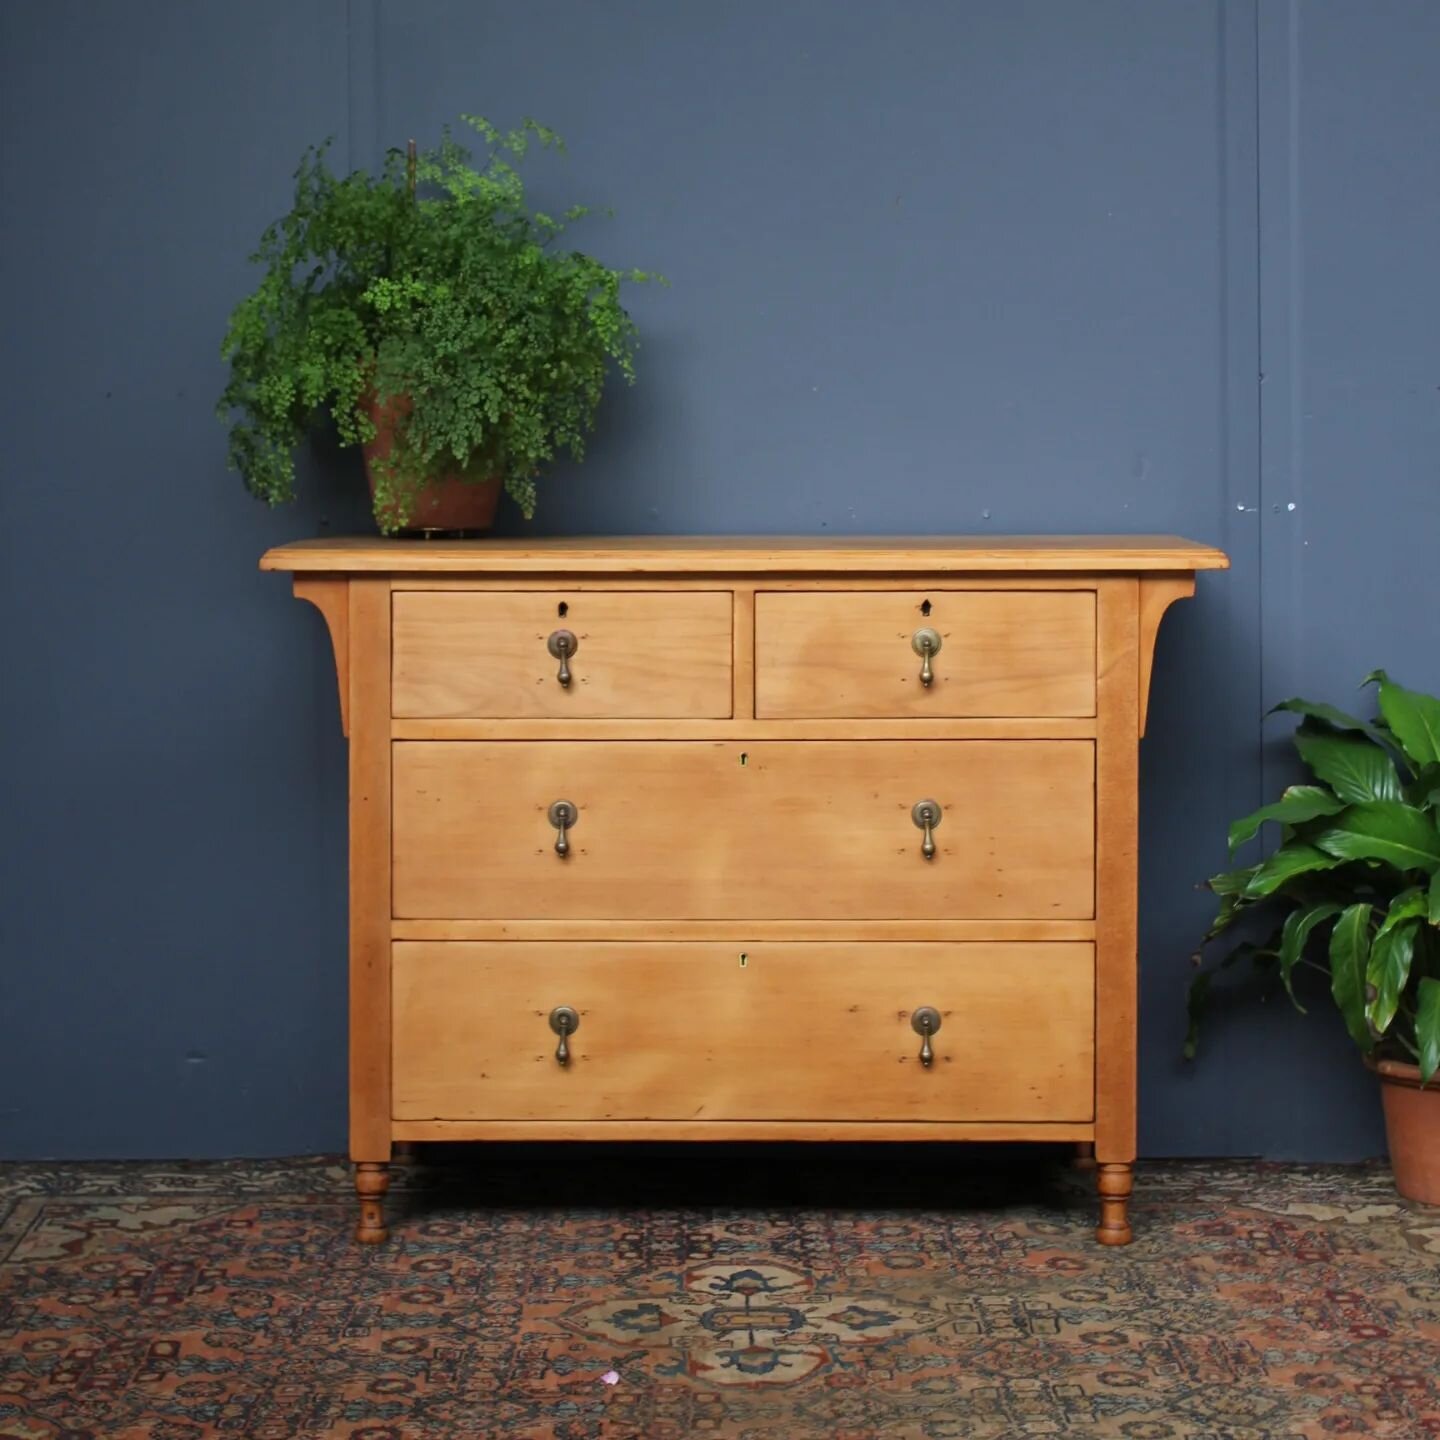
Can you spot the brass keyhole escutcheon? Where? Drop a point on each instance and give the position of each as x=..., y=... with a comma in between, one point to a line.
x=562, y=644
x=564, y=1022
x=926, y=643
x=925, y=1022
x=927, y=815
x=563, y=815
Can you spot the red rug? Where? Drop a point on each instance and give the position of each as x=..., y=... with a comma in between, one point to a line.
x=760, y=1294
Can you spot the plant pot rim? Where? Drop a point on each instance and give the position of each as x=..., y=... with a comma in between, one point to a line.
x=1398, y=1072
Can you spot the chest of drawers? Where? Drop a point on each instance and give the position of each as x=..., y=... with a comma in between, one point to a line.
x=755, y=839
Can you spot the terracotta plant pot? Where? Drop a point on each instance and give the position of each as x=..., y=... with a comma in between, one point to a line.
x=1412, y=1128
x=453, y=503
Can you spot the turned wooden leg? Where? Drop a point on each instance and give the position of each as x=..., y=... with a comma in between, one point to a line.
x=1084, y=1155
x=372, y=1180
x=1113, y=1182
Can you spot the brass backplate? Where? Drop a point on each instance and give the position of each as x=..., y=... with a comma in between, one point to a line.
x=562, y=643
x=926, y=1020
x=925, y=812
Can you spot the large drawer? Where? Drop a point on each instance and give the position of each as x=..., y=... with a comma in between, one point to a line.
x=854, y=653
x=488, y=653
x=744, y=830
x=777, y=1032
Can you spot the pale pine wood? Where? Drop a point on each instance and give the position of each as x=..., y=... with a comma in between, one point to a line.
x=681, y=1033
x=743, y=931
x=744, y=728
x=735, y=830
x=744, y=666
x=372, y=1180
x=450, y=582
x=1114, y=1182
x=1116, y=825
x=1157, y=594
x=749, y=555
x=330, y=595
x=849, y=654
x=370, y=869
x=640, y=655
x=845, y=1131
x=803, y=857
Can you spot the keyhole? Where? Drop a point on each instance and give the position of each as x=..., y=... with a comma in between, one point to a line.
x=924, y=607
x=744, y=959
x=744, y=758
x=562, y=609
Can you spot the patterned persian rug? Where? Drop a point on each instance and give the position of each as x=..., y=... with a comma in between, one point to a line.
x=650, y=1293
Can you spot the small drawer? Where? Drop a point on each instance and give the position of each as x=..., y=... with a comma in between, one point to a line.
x=775, y=1031
x=860, y=654
x=741, y=830
x=499, y=654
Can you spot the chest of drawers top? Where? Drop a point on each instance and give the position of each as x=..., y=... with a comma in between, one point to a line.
x=748, y=555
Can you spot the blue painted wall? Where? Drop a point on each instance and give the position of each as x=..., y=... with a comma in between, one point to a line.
x=991, y=266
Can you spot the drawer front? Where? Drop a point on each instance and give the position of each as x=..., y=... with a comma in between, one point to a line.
x=797, y=1032
x=1002, y=653
x=744, y=830
x=478, y=654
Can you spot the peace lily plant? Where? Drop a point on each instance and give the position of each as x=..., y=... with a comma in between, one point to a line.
x=1353, y=888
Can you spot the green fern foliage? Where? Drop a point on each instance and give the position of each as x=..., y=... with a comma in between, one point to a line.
x=434, y=285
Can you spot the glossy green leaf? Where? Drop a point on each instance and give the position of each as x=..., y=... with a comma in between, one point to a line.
x=1435, y=898
x=1387, y=972
x=1413, y=718
x=1349, y=952
x=1230, y=887
x=1355, y=768
x=1231, y=882
x=1283, y=865
x=1297, y=805
x=1410, y=904
x=1293, y=935
x=1316, y=710
x=1427, y=1028
x=1398, y=834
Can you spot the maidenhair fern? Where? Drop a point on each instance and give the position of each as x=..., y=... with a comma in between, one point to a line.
x=433, y=285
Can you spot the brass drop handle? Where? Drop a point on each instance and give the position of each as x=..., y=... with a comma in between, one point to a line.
x=562, y=644
x=564, y=1022
x=925, y=1022
x=926, y=644
x=563, y=815
x=927, y=816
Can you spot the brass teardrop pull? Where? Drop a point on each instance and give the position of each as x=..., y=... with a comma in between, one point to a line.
x=563, y=815
x=926, y=644
x=925, y=1022
x=927, y=815
x=564, y=1022
x=562, y=644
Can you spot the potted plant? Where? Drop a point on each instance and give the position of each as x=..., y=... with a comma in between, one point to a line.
x=1357, y=868
x=435, y=318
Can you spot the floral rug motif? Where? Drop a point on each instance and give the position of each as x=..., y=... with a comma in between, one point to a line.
x=759, y=1293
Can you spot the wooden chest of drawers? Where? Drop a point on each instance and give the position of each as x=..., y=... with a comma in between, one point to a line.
x=757, y=839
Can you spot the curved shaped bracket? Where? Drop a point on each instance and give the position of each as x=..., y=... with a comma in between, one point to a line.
x=1157, y=594
x=329, y=594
